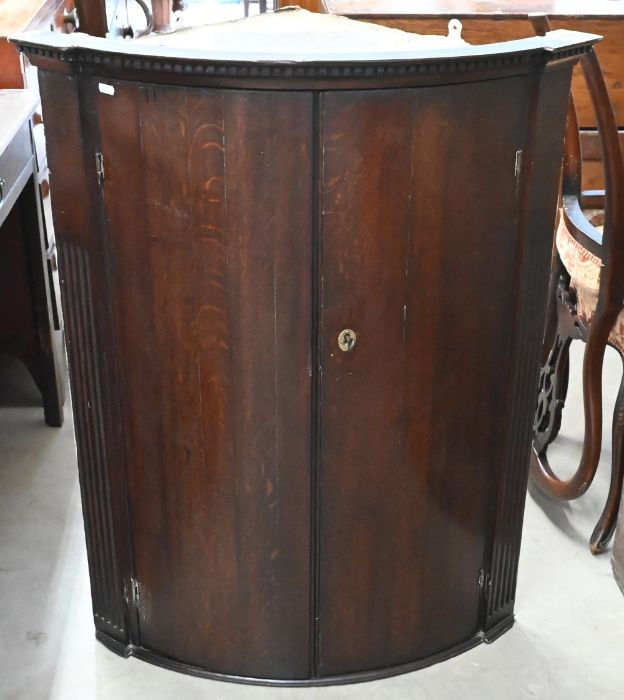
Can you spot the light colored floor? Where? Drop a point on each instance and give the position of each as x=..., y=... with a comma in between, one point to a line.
x=568, y=641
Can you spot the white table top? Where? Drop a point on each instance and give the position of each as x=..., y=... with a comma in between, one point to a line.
x=16, y=106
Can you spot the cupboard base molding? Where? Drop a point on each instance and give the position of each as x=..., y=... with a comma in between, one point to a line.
x=127, y=650
x=498, y=630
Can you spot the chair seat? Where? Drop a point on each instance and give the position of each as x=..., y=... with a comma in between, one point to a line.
x=584, y=269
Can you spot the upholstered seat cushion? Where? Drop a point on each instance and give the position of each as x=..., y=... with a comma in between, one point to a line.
x=584, y=270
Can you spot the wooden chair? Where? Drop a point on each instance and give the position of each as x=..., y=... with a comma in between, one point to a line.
x=586, y=303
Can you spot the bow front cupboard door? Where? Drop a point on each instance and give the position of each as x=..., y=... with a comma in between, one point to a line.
x=209, y=243
x=412, y=417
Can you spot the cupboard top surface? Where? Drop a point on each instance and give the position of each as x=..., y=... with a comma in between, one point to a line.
x=298, y=45
x=297, y=34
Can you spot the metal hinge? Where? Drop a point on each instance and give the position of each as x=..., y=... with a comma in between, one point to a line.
x=99, y=168
x=518, y=164
x=483, y=582
x=135, y=593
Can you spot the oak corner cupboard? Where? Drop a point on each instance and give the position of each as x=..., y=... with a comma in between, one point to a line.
x=304, y=321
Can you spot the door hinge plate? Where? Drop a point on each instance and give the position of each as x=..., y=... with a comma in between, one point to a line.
x=518, y=164
x=99, y=168
x=135, y=593
x=483, y=582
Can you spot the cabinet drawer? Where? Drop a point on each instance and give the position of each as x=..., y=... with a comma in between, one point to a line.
x=13, y=160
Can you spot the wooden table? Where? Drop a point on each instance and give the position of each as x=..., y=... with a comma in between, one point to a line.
x=504, y=20
x=30, y=325
x=15, y=16
x=304, y=327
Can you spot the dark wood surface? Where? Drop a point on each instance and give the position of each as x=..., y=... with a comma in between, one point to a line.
x=92, y=15
x=284, y=511
x=406, y=309
x=229, y=460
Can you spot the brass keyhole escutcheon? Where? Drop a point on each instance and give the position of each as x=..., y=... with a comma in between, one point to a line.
x=346, y=340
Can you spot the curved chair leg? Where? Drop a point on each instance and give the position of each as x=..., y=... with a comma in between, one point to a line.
x=541, y=472
x=606, y=525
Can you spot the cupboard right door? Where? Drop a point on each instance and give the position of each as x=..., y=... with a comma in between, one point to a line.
x=420, y=251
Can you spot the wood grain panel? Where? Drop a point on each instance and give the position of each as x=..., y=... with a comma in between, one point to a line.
x=401, y=456
x=268, y=183
x=593, y=175
x=593, y=168
x=591, y=146
x=217, y=423
x=366, y=173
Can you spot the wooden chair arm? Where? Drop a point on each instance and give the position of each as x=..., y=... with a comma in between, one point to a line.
x=612, y=279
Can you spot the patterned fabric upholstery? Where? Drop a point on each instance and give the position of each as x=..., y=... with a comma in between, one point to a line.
x=584, y=270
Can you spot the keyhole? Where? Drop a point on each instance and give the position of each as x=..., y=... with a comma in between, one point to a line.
x=346, y=340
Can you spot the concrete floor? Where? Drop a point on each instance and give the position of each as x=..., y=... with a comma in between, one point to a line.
x=568, y=641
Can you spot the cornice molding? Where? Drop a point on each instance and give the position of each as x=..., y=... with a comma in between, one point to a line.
x=284, y=70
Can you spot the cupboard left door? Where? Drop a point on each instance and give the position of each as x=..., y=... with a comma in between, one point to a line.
x=208, y=251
